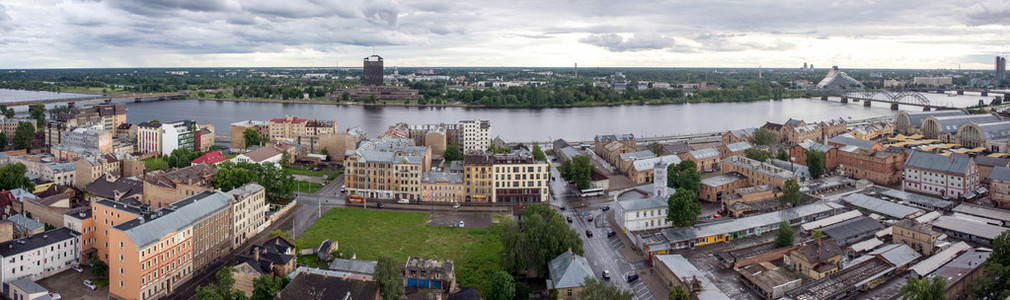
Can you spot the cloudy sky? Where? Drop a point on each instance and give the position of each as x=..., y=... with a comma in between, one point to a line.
x=325, y=33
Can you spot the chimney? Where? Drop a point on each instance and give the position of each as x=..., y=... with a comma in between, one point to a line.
x=256, y=253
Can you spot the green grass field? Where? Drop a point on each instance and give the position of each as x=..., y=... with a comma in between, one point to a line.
x=370, y=233
x=155, y=163
x=307, y=187
x=329, y=173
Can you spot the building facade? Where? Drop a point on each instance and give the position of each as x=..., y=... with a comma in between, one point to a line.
x=442, y=187
x=880, y=167
x=238, y=131
x=475, y=135
x=40, y=255
x=919, y=236
x=387, y=168
x=372, y=73
x=505, y=178
x=949, y=176
x=249, y=210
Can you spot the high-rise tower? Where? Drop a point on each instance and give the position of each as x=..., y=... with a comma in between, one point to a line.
x=373, y=71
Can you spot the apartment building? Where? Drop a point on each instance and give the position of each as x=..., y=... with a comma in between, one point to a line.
x=337, y=144
x=206, y=136
x=757, y=173
x=150, y=255
x=91, y=168
x=168, y=186
x=474, y=135
x=54, y=132
x=302, y=131
x=39, y=256
x=163, y=138
x=949, y=176
x=108, y=116
x=249, y=210
x=90, y=138
x=999, y=187
x=44, y=168
x=505, y=178
x=880, y=167
x=442, y=187
x=10, y=125
x=238, y=131
x=386, y=168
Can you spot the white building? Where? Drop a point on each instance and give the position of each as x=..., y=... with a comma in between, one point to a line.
x=163, y=138
x=249, y=209
x=39, y=256
x=474, y=135
x=261, y=156
x=43, y=168
x=933, y=80
x=647, y=212
x=934, y=174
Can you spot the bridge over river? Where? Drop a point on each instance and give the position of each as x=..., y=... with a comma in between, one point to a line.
x=105, y=98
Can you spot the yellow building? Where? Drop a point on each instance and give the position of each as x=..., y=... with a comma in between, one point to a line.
x=387, y=168
x=816, y=259
x=919, y=236
x=505, y=178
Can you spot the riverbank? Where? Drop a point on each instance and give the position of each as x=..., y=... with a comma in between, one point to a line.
x=407, y=103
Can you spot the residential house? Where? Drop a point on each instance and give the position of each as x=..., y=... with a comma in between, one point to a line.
x=430, y=273
x=119, y=189
x=275, y=257
x=39, y=256
x=249, y=209
x=24, y=226
x=91, y=168
x=211, y=158
x=265, y=154
x=206, y=137
x=567, y=273
x=168, y=186
x=949, y=176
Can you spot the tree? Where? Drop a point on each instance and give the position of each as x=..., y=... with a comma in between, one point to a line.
x=7, y=112
x=500, y=287
x=387, y=273
x=325, y=152
x=678, y=292
x=782, y=155
x=345, y=96
x=594, y=289
x=581, y=171
x=763, y=136
x=285, y=159
x=682, y=209
x=278, y=183
x=684, y=176
x=3, y=141
x=266, y=287
x=926, y=288
x=993, y=284
x=757, y=154
x=452, y=153
x=538, y=154
x=817, y=234
x=12, y=176
x=252, y=137
x=23, y=136
x=223, y=290
x=98, y=267
x=790, y=192
x=815, y=162
x=38, y=112
x=542, y=236
x=656, y=148
x=784, y=235
x=182, y=157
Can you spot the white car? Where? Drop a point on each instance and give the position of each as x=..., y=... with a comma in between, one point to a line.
x=460, y=223
x=55, y=296
x=77, y=268
x=89, y=284
x=456, y=205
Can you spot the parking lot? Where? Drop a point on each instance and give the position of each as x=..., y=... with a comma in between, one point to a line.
x=452, y=219
x=70, y=285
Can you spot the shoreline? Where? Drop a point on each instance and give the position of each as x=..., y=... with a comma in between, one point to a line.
x=345, y=103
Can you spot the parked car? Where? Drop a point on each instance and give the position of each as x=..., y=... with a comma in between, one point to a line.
x=590, y=218
x=716, y=216
x=589, y=233
x=455, y=205
x=89, y=284
x=403, y=201
x=343, y=188
x=460, y=223
x=611, y=234
x=606, y=275
x=632, y=277
x=605, y=207
x=55, y=296
x=569, y=218
x=378, y=204
x=77, y=268
x=562, y=208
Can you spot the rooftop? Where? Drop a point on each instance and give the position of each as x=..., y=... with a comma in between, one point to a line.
x=429, y=264
x=743, y=224
x=897, y=254
x=637, y=155
x=917, y=199
x=18, y=246
x=852, y=228
x=759, y=167
x=967, y=226
x=705, y=153
x=939, y=259
x=848, y=140
x=353, y=265
x=938, y=163
x=958, y=268
x=723, y=179
x=25, y=222
x=447, y=177
x=312, y=285
x=893, y=210
x=683, y=269
x=146, y=230
x=988, y=212
x=568, y=270
x=649, y=163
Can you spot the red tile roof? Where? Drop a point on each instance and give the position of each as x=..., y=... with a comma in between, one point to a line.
x=210, y=158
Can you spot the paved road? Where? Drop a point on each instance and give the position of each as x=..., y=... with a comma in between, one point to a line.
x=313, y=204
x=601, y=252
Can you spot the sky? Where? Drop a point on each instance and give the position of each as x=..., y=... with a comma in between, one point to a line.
x=922, y=34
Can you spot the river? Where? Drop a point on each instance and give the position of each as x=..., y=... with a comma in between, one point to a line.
x=518, y=124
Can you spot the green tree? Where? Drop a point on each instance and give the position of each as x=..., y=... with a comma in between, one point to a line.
x=538, y=154
x=656, y=148
x=581, y=171
x=7, y=112
x=501, y=286
x=684, y=176
x=815, y=162
x=98, y=267
x=993, y=284
x=182, y=157
x=285, y=159
x=678, y=292
x=252, y=137
x=12, y=176
x=387, y=273
x=278, y=183
x=594, y=289
x=763, y=136
x=784, y=235
x=38, y=112
x=790, y=193
x=757, y=154
x=682, y=208
x=782, y=155
x=3, y=141
x=345, y=96
x=266, y=287
x=926, y=288
x=452, y=153
x=23, y=136
x=543, y=235
x=817, y=234
x=223, y=290
x=325, y=152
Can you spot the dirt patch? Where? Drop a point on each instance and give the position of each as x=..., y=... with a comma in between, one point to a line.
x=453, y=219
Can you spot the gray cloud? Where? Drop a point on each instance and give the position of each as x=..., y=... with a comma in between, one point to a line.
x=988, y=12
x=5, y=20
x=637, y=42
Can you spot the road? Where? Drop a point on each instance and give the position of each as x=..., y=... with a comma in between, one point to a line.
x=601, y=252
x=315, y=204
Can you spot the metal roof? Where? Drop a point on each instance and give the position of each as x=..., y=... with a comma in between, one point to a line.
x=962, y=266
x=831, y=220
x=737, y=147
x=995, y=130
x=743, y=224
x=353, y=265
x=988, y=212
x=851, y=228
x=723, y=179
x=22, y=221
x=950, y=124
x=637, y=155
x=848, y=140
x=916, y=118
x=972, y=227
x=649, y=163
x=1000, y=173
x=808, y=144
x=893, y=210
x=28, y=286
x=918, y=199
x=568, y=270
x=743, y=132
x=869, y=244
x=18, y=246
x=683, y=269
x=643, y=203
x=705, y=153
x=938, y=163
x=936, y=261
x=143, y=231
x=897, y=254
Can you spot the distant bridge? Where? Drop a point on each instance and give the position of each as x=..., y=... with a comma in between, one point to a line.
x=106, y=98
x=913, y=98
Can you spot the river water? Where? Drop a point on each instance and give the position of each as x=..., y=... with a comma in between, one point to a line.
x=579, y=123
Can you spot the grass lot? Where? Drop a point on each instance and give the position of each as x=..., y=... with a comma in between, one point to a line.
x=369, y=233
x=155, y=163
x=329, y=173
x=307, y=187
x=229, y=156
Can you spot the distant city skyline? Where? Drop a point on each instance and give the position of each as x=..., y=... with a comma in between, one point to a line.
x=304, y=33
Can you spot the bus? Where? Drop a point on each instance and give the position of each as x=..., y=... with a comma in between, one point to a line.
x=355, y=198
x=591, y=192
